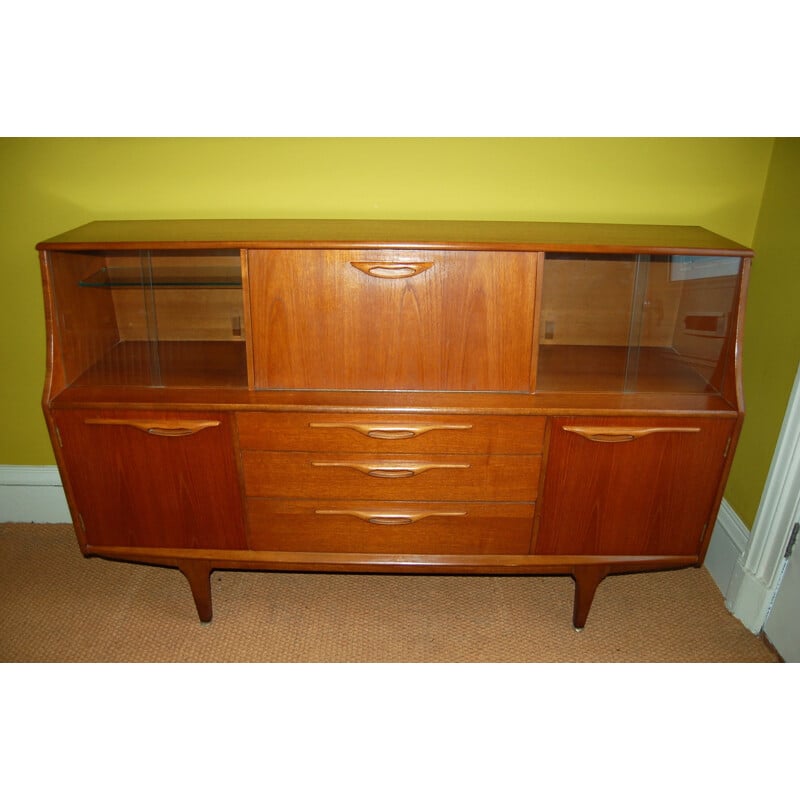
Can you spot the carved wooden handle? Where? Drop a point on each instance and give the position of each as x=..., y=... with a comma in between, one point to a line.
x=383, y=518
x=160, y=427
x=389, y=431
x=611, y=435
x=384, y=470
x=392, y=269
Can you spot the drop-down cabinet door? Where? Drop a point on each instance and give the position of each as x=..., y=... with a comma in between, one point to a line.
x=631, y=486
x=418, y=320
x=153, y=479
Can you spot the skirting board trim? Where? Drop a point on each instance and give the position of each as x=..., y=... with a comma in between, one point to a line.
x=729, y=542
x=32, y=494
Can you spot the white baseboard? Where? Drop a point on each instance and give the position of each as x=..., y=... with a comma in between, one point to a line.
x=729, y=541
x=748, y=592
x=749, y=598
x=32, y=494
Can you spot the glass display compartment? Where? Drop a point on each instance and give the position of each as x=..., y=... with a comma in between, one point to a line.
x=151, y=318
x=636, y=323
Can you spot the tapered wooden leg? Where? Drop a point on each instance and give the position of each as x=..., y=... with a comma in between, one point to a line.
x=198, y=574
x=587, y=579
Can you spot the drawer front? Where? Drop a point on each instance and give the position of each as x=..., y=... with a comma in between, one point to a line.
x=393, y=319
x=396, y=433
x=422, y=477
x=358, y=527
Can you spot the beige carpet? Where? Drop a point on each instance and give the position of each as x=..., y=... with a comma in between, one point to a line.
x=56, y=606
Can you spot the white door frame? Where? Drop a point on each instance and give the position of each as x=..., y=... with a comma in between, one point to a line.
x=756, y=578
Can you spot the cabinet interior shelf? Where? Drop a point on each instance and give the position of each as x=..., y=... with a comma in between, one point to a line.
x=604, y=369
x=198, y=277
x=173, y=364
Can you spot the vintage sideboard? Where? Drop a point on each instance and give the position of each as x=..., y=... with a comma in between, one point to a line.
x=394, y=396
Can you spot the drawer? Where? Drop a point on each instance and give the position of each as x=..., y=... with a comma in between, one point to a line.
x=350, y=527
x=384, y=319
x=417, y=477
x=390, y=433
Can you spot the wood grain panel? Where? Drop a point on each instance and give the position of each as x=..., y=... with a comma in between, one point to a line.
x=133, y=489
x=467, y=477
x=344, y=526
x=357, y=433
x=649, y=496
x=463, y=324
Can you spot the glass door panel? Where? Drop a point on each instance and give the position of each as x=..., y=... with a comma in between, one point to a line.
x=635, y=323
x=152, y=318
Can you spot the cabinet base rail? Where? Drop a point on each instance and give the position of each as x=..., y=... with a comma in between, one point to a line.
x=586, y=571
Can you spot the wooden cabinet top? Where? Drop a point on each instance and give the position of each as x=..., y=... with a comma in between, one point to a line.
x=443, y=234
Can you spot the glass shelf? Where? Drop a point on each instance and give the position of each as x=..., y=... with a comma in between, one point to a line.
x=198, y=277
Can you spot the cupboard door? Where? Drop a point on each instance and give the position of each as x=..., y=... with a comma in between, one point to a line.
x=386, y=320
x=636, y=486
x=159, y=479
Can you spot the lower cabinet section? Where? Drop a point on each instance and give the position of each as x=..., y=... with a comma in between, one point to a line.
x=364, y=527
x=160, y=479
x=631, y=486
x=577, y=495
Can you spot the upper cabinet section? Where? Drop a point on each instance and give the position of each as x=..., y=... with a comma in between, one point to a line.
x=637, y=323
x=542, y=310
x=149, y=318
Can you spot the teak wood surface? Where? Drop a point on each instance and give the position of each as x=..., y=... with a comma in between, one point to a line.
x=452, y=234
x=401, y=396
x=463, y=323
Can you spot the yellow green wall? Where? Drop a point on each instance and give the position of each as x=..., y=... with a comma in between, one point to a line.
x=772, y=328
x=50, y=185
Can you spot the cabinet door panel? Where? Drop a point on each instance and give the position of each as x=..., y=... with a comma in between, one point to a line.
x=636, y=486
x=416, y=320
x=153, y=480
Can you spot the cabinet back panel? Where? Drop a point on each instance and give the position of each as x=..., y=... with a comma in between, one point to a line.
x=588, y=300
x=183, y=315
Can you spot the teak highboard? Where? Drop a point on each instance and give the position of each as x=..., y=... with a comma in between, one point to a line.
x=394, y=396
